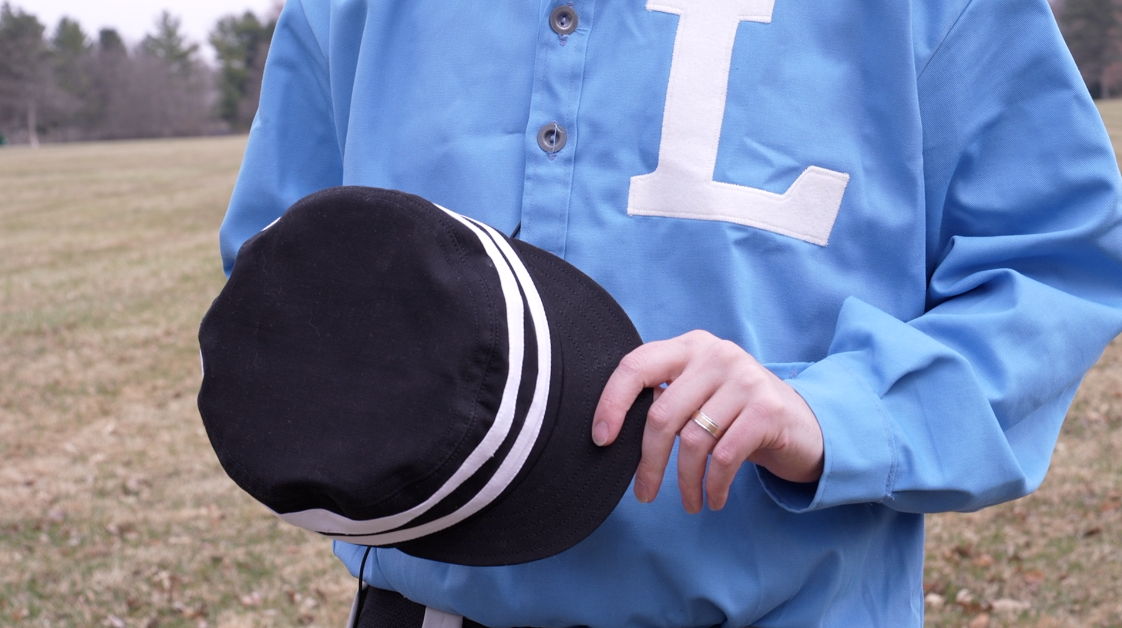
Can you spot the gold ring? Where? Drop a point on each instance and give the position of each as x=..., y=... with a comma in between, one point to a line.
x=704, y=422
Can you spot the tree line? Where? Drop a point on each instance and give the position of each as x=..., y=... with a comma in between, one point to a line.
x=63, y=84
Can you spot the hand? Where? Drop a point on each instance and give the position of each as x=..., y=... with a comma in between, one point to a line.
x=765, y=421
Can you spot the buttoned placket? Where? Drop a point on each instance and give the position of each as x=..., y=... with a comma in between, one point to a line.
x=552, y=137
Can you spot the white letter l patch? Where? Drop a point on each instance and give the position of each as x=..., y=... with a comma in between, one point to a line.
x=682, y=185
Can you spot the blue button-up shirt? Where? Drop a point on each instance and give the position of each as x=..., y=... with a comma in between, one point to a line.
x=909, y=210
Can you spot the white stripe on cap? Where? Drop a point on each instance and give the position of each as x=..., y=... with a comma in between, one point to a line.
x=373, y=532
x=531, y=427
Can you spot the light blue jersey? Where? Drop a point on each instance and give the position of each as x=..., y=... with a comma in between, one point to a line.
x=909, y=210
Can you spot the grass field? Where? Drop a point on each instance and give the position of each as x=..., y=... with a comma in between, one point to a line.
x=114, y=511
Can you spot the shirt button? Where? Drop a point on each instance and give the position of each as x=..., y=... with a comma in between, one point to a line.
x=552, y=137
x=563, y=20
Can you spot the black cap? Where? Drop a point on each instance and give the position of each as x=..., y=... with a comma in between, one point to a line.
x=384, y=371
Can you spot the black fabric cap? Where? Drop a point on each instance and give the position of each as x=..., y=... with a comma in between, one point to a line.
x=359, y=355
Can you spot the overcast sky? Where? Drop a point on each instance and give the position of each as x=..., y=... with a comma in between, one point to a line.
x=135, y=18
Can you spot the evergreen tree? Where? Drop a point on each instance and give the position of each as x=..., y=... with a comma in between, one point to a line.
x=69, y=39
x=70, y=47
x=24, y=69
x=109, y=42
x=169, y=45
x=241, y=45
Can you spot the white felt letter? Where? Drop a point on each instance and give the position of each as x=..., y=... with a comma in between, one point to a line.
x=682, y=185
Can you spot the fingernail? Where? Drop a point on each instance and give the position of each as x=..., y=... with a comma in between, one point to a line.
x=641, y=492
x=600, y=433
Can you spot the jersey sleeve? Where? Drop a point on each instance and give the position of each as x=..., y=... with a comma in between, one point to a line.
x=961, y=407
x=294, y=146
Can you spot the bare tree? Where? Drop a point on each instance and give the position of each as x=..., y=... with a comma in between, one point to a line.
x=1091, y=29
x=161, y=89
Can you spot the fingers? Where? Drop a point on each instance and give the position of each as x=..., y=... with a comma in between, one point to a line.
x=647, y=366
x=764, y=419
x=668, y=416
x=713, y=460
x=704, y=384
x=728, y=454
x=695, y=446
x=775, y=429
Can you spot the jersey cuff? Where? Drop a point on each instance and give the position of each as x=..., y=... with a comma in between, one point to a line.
x=860, y=453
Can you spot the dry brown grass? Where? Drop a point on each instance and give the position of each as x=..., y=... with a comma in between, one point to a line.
x=1057, y=552
x=114, y=512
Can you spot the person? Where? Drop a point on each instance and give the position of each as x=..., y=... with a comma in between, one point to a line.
x=872, y=247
